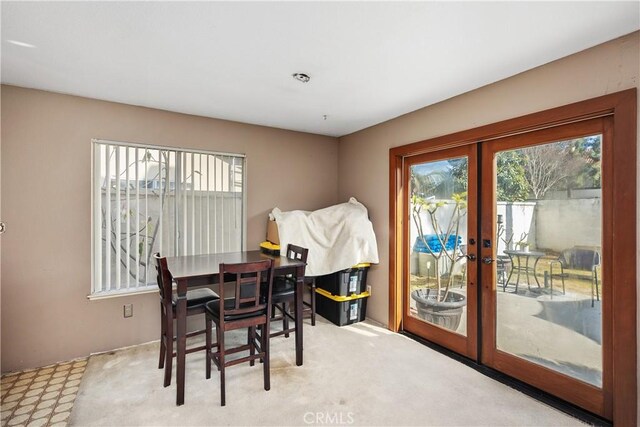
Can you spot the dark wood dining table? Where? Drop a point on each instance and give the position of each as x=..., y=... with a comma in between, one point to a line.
x=202, y=270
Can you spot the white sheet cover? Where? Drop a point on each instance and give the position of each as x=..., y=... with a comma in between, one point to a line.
x=338, y=237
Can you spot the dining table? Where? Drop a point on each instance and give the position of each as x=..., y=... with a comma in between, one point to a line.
x=203, y=270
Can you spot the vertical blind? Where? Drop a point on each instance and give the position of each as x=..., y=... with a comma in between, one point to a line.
x=150, y=199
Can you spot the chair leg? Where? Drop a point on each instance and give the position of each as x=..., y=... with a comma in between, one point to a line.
x=163, y=335
x=219, y=335
x=265, y=357
x=313, y=303
x=207, y=323
x=251, y=336
x=285, y=319
x=221, y=361
x=562, y=278
x=169, y=351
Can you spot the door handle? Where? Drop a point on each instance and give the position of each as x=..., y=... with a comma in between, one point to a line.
x=487, y=260
x=3, y=227
x=471, y=257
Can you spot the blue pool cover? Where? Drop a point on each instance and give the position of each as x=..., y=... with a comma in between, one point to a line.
x=434, y=243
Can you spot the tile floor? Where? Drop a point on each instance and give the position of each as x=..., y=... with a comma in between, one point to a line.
x=41, y=397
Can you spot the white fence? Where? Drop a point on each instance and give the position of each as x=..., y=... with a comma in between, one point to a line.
x=563, y=224
x=549, y=225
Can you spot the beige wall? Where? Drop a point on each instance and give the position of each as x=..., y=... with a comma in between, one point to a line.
x=46, y=184
x=364, y=156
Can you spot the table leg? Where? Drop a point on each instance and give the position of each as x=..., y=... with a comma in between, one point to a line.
x=513, y=264
x=299, y=290
x=535, y=276
x=181, y=332
x=519, y=270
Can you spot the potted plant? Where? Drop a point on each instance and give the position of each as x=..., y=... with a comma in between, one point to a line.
x=441, y=305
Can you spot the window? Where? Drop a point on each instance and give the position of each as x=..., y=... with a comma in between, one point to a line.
x=155, y=199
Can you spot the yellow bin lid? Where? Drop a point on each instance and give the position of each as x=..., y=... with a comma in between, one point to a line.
x=340, y=298
x=270, y=246
x=273, y=247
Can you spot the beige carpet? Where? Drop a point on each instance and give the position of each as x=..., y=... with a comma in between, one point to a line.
x=355, y=375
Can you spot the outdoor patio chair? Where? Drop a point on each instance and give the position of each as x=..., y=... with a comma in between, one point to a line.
x=577, y=258
x=503, y=264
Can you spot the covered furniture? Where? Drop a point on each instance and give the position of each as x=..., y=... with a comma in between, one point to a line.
x=338, y=237
x=247, y=308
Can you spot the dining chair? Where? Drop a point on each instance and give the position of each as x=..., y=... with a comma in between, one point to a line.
x=247, y=308
x=196, y=299
x=310, y=283
x=283, y=294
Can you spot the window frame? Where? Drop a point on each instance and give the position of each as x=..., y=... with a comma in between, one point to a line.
x=151, y=287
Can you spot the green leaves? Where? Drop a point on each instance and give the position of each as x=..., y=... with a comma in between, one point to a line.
x=459, y=199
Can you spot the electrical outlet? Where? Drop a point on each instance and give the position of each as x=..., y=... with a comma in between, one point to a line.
x=369, y=289
x=128, y=310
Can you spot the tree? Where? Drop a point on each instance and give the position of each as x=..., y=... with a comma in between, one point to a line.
x=444, y=233
x=512, y=182
x=550, y=166
x=145, y=228
x=525, y=172
x=589, y=175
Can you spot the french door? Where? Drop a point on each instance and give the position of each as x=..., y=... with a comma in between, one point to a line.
x=440, y=298
x=513, y=255
x=545, y=261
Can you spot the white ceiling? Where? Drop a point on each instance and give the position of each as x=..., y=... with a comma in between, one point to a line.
x=368, y=61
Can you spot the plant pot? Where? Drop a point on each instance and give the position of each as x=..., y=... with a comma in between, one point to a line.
x=446, y=314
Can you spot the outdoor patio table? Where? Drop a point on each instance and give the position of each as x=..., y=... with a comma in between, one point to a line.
x=517, y=258
x=199, y=270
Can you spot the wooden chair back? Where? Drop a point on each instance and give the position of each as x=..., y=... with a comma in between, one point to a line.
x=297, y=252
x=165, y=280
x=249, y=297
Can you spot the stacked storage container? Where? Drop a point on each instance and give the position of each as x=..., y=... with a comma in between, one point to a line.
x=342, y=296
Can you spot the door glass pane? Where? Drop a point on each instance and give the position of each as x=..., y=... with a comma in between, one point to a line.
x=548, y=260
x=438, y=236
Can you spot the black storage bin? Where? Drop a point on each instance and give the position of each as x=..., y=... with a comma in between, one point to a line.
x=346, y=282
x=341, y=310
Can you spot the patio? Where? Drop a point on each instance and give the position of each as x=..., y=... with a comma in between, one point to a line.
x=547, y=329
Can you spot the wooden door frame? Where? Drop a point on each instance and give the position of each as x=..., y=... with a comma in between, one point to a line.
x=622, y=108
